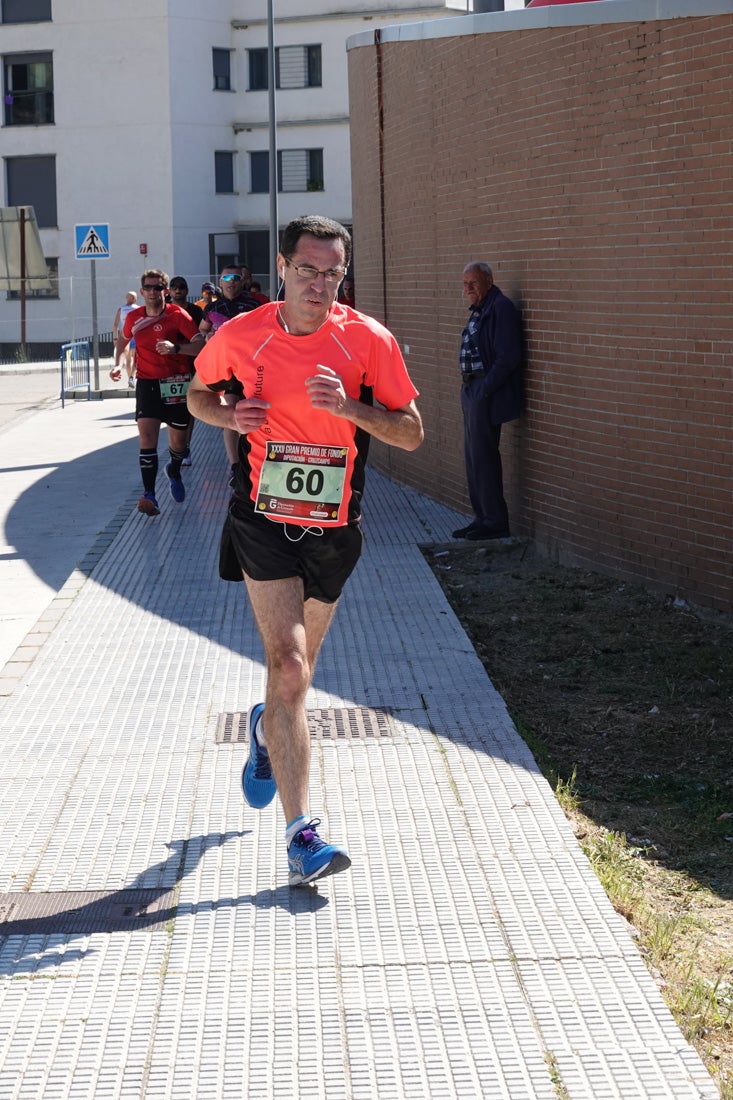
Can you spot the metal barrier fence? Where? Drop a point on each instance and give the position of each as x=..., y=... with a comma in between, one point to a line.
x=75, y=369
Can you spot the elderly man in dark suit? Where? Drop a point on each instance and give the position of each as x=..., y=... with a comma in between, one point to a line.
x=491, y=394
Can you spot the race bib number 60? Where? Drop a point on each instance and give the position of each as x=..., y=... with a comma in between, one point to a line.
x=302, y=481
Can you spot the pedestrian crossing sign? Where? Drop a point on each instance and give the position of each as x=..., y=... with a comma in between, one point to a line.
x=92, y=242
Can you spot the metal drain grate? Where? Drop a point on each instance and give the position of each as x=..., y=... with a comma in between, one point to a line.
x=82, y=912
x=349, y=723
x=325, y=723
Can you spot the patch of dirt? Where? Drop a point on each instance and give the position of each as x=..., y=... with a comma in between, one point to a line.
x=626, y=698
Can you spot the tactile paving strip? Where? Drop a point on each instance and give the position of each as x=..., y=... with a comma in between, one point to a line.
x=324, y=723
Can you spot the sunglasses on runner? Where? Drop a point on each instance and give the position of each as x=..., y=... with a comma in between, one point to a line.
x=154, y=286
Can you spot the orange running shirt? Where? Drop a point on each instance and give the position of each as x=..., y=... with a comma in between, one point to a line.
x=305, y=466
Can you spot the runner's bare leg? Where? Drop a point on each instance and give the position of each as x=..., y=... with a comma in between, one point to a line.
x=292, y=632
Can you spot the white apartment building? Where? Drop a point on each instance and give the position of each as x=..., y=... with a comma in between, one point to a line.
x=151, y=117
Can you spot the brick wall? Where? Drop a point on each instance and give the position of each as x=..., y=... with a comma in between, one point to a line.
x=592, y=166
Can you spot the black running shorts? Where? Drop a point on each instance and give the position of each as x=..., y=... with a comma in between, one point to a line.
x=149, y=404
x=269, y=551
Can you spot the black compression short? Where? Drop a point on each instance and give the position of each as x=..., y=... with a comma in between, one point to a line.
x=267, y=551
x=149, y=404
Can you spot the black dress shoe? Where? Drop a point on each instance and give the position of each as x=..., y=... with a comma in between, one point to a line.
x=476, y=533
x=462, y=532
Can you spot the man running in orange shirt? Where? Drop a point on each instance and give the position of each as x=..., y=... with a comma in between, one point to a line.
x=309, y=368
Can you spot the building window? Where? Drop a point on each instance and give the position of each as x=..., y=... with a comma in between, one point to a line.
x=259, y=172
x=254, y=248
x=298, y=67
x=224, y=173
x=26, y=11
x=295, y=67
x=28, y=87
x=300, y=170
x=222, y=65
x=31, y=181
x=297, y=170
x=257, y=70
x=52, y=264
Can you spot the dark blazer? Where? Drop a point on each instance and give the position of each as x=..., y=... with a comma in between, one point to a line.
x=499, y=340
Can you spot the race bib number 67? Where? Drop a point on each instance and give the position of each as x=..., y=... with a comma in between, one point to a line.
x=173, y=389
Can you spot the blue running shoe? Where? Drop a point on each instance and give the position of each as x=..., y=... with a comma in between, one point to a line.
x=309, y=857
x=257, y=783
x=177, y=488
x=148, y=505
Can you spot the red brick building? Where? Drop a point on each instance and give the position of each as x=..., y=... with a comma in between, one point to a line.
x=586, y=152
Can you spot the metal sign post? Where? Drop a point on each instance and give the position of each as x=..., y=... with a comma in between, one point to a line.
x=92, y=243
x=272, y=159
x=23, y=352
x=95, y=326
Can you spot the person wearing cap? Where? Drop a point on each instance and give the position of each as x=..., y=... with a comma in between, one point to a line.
x=178, y=292
x=208, y=295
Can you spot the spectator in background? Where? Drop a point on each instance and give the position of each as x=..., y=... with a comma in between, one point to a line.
x=491, y=393
x=119, y=321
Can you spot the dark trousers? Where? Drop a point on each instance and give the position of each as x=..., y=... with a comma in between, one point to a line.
x=483, y=460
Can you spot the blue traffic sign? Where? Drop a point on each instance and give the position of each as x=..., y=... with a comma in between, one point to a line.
x=92, y=242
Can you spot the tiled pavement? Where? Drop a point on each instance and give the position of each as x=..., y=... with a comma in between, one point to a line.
x=469, y=952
